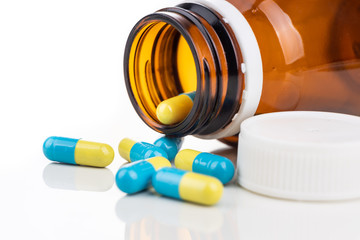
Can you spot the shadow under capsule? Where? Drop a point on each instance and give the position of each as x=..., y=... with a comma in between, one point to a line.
x=78, y=178
x=230, y=153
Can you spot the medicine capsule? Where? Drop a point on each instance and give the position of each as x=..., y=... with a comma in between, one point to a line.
x=188, y=186
x=175, y=109
x=76, y=151
x=205, y=163
x=171, y=145
x=133, y=151
x=136, y=176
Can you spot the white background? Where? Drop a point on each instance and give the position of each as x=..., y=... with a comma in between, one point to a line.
x=61, y=74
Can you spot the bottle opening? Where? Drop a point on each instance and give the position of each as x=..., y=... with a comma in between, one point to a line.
x=161, y=65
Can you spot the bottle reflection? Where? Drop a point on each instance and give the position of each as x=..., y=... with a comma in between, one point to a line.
x=71, y=177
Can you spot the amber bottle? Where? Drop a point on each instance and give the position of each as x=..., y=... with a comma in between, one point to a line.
x=243, y=58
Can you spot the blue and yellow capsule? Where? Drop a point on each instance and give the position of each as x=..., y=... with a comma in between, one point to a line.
x=136, y=176
x=205, y=163
x=133, y=151
x=171, y=145
x=76, y=151
x=188, y=186
x=175, y=109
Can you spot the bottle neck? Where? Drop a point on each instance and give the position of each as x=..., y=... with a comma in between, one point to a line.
x=182, y=49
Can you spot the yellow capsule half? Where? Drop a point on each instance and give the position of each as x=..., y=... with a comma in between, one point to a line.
x=185, y=159
x=93, y=154
x=124, y=148
x=200, y=188
x=175, y=109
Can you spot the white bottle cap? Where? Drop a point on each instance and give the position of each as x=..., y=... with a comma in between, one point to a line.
x=301, y=155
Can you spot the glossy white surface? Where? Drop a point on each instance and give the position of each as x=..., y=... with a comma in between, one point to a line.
x=61, y=74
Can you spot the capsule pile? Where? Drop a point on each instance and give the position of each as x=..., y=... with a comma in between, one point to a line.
x=197, y=177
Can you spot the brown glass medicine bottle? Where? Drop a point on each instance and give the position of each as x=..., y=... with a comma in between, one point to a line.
x=244, y=57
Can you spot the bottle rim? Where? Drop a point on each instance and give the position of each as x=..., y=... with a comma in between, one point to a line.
x=251, y=67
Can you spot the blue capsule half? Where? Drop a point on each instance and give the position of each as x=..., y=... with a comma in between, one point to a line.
x=171, y=145
x=134, y=151
x=206, y=163
x=136, y=176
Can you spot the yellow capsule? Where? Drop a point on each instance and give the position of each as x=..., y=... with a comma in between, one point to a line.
x=75, y=151
x=188, y=186
x=175, y=109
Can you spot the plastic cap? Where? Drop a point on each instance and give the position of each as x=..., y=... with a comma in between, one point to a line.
x=301, y=155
